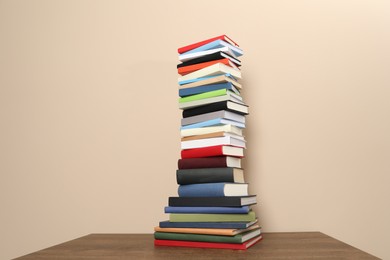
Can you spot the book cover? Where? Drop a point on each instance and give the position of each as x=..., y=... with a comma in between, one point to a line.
x=209, y=94
x=221, y=225
x=184, y=92
x=213, y=151
x=237, y=239
x=213, y=115
x=212, y=70
x=210, y=57
x=207, y=231
x=198, y=44
x=212, y=129
x=180, y=243
x=224, y=162
x=209, y=175
x=216, y=106
x=217, y=189
x=214, y=122
x=183, y=70
x=212, y=201
x=215, y=210
x=209, y=80
x=215, y=45
x=207, y=142
x=211, y=135
x=189, y=56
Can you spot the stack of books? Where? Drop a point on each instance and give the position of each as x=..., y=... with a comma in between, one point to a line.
x=213, y=209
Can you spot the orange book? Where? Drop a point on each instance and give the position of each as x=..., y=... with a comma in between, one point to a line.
x=191, y=68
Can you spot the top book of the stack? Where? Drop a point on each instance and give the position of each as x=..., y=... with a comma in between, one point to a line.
x=214, y=45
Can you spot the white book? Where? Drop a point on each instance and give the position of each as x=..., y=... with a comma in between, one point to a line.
x=189, y=56
x=211, y=129
x=213, y=115
x=225, y=140
x=215, y=69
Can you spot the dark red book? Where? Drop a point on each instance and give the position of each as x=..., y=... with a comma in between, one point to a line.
x=181, y=243
x=198, y=44
x=209, y=162
x=219, y=150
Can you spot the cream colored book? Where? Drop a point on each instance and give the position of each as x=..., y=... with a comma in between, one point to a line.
x=214, y=69
x=211, y=135
x=207, y=231
x=214, y=80
x=212, y=129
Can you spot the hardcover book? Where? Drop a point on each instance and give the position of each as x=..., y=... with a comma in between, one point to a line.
x=210, y=57
x=208, y=130
x=222, y=225
x=213, y=190
x=209, y=175
x=213, y=151
x=217, y=106
x=192, y=217
x=210, y=80
x=181, y=243
x=213, y=115
x=212, y=201
x=224, y=162
x=198, y=44
x=207, y=231
x=214, y=210
x=184, y=92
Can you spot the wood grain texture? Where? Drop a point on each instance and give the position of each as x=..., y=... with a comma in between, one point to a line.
x=302, y=245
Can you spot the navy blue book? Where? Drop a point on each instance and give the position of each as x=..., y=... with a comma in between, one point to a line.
x=233, y=225
x=183, y=92
x=217, y=189
x=210, y=210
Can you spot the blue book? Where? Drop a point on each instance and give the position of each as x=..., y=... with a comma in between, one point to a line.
x=211, y=210
x=214, y=122
x=206, y=88
x=213, y=190
x=215, y=45
x=232, y=225
x=183, y=82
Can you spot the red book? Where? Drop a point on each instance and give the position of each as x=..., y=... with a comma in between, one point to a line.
x=181, y=243
x=191, y=68
x=209, y=162
x=210, y=151
x=198, y=44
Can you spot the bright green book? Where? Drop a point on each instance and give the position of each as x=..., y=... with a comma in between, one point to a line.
x=237, y=239
x=185, y=217
x=209, y=94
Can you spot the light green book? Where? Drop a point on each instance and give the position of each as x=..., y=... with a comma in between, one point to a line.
x=209, y=94
x=185, y=217
x=237, y=239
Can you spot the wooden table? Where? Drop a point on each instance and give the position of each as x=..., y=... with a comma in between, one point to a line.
x=306, y=245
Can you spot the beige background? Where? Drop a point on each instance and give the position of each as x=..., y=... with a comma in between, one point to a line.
x=90, y=126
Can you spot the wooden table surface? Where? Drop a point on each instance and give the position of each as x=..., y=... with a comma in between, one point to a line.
x=302, y=245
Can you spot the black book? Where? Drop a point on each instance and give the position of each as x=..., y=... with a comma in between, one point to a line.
x=210, y=57
x=237, y=201
x=209, y=175
x=223, y=105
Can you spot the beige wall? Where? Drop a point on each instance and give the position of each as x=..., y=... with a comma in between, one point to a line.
x=90, y=127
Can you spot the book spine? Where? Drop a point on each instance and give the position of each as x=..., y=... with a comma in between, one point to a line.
x=189, y=217
x=231, y=225
x=205, y=109
x=202, y=190
x=204, y=202
x=214, y=93
x=197, y=90
x=212, y=162
x=206, y=175
x=210, y=210
x=202, y=152
x=197, y=237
